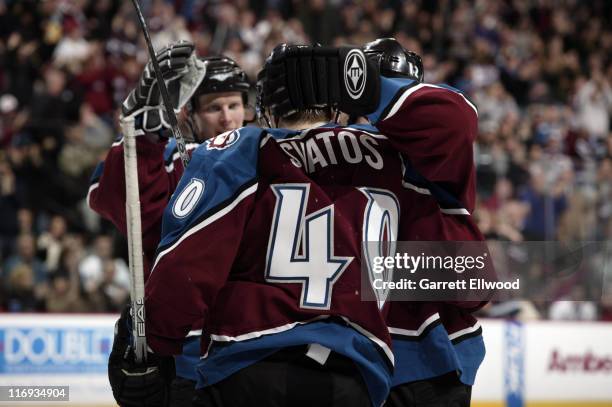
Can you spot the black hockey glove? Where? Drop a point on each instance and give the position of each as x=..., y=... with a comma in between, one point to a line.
x=182, y=73
x=302, y=77
x=136, y=385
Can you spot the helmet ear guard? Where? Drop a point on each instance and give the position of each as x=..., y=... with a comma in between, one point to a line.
x=394, y=60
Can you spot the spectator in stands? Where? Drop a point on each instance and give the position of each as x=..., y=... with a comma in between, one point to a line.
x=25, y=258
x=539, y=75
x=573, y=308
x=94, y=269
x=50, y=243
x=64, y=288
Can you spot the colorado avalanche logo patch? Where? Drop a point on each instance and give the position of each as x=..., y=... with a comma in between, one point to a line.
x=223, y=141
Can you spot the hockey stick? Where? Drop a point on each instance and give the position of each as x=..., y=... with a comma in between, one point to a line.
x=134, y=236
x=176, y=131
x=133, y=201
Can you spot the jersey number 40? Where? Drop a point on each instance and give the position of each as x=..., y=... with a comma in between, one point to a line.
x=316, y=266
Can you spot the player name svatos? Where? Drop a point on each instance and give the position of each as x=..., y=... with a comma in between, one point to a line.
x=322, y=149
x=427, y=284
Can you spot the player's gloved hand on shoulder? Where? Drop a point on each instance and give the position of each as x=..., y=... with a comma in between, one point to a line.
x=137, y=385
x=304, y=77
x=182, y=73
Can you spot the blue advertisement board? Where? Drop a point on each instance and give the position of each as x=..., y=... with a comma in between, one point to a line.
x=54, y=347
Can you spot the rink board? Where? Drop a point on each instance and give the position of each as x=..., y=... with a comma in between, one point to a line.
x=539, y=364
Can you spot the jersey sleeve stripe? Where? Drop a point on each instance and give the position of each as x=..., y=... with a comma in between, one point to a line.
x=465, y=98
x=406, y=93
x=209, y=217
x=423, y=191
x=391, y=90
x=455, y=211
x=398, y=101
x=92, y=187
x=448, y=204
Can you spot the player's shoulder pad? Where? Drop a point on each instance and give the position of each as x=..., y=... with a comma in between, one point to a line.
x=398, y=92
x=222, y=171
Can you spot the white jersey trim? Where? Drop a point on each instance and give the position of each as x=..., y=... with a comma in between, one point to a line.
x=177, y=155
x=91, y=188
x=409, y=332
x=212, y=218
x=423, y=191
x=465, y=331
x=291, y=325
x=258, y=334
x=396, y=107
x=426, y=191
x=264, y=140
x=455, y=211
x=373, y=338
x=195, y=332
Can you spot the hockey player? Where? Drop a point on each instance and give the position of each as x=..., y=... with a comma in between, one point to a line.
x=215, y=106
x=210, y=95
x=438, y=347
x=313, y=195
x=262, y=239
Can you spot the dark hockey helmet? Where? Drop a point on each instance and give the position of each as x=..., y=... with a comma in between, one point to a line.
x=223, y=75
x=276, y=94
x=394, y=60
x=268, y=86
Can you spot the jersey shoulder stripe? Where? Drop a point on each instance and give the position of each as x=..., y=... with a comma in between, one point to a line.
x=390, y=91
x=404, y=93
x=219, y=174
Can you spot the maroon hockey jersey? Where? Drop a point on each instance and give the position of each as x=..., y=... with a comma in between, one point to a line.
x=159, y=170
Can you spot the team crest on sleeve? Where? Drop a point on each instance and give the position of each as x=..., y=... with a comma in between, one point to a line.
x=188, y=198
x=355, y=73
x=223, y=141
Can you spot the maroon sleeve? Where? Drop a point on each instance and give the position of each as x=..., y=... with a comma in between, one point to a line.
x=188, y=275
x=156, y=184
x=435, y=128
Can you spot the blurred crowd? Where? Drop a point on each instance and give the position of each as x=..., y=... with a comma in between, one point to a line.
x=539, y=71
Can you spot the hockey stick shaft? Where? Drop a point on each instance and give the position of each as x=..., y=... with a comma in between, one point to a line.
x=163, y=90
x=134, y=236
